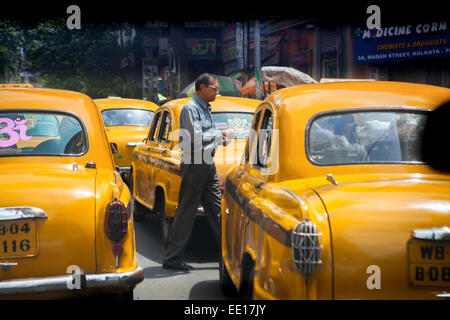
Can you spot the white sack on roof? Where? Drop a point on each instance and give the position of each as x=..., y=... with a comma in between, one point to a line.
x=285, y=76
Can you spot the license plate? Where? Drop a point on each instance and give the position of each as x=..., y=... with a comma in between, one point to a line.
x=429, y=263
x=18, y=238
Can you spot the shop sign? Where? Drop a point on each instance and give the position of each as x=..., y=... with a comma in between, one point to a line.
x=201, y=47
x=403, y=42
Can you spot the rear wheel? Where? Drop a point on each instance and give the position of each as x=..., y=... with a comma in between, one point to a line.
x=165, y=221
x=126, y=296
x=129, y=295
x=226, y=284
x=138, y=209
x=248, y=278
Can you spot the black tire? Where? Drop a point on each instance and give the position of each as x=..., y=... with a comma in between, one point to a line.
x=127, y=296
x=164, y=220
x=138, y=209
x=226, y=284
x=246, y=288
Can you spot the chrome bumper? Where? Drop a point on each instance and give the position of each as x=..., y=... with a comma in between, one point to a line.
x=444, y=296
x=60, y=283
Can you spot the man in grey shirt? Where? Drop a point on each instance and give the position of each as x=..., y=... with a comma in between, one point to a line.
x=199, y=139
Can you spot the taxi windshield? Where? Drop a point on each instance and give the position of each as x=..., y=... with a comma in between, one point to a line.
x=39, y=133
x=366, y=137
x=240, y=122
x=127, y=117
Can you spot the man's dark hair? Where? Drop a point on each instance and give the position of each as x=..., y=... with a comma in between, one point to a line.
x=204, y=78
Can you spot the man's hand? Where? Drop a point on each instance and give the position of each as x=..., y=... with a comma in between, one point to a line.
x=227, y=136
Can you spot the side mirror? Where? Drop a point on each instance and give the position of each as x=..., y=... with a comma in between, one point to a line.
x=114, y=148
x=435, y=135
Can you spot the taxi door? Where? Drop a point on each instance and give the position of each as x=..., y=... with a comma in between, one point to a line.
x=140, y=163
x=233, y=200
x=252, y=177
x=150, y=182
x=167, y=170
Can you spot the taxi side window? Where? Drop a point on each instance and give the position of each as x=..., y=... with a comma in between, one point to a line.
x=252, y=137
x=166, y=128
x=152, y=134
x=264, y=140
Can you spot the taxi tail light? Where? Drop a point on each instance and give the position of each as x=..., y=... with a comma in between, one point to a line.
x=116, y=221
x=306, y=247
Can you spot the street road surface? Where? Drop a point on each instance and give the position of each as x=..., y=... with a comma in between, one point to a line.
x=202, y=253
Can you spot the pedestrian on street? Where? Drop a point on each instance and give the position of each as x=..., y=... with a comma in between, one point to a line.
x=199, y=181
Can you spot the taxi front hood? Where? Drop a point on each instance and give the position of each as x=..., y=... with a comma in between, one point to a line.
x=371, y=223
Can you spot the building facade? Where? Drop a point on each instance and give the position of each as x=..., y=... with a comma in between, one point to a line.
x=174, y=55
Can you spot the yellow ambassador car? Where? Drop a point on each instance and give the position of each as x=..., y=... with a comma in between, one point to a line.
x=332, y=200
x=156, y=173
x=126, y=122
x=65, y=218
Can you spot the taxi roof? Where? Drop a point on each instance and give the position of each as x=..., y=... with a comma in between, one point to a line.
x=310, y=99
x=43, y=98
x=67, y=101
x=123, y=103
x=296, y=107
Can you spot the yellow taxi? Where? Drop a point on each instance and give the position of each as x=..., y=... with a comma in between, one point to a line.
x=333, y=201
x=126, y=122
x=66, y=226
x=156, y=174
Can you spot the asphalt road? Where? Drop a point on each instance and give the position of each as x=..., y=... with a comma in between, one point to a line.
x=202, y=253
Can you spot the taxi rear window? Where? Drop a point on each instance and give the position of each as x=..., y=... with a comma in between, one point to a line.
x=366, y=137
x=127, y=117
x=41, y=133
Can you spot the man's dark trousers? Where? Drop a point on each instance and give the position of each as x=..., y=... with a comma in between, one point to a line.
x=199, y=184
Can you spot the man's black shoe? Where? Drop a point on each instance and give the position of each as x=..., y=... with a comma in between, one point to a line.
x=177, y=266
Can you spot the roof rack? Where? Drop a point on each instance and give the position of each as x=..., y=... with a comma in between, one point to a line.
x=16, y=85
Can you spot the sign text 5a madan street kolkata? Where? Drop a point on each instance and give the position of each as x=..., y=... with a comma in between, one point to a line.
x=402, y=42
